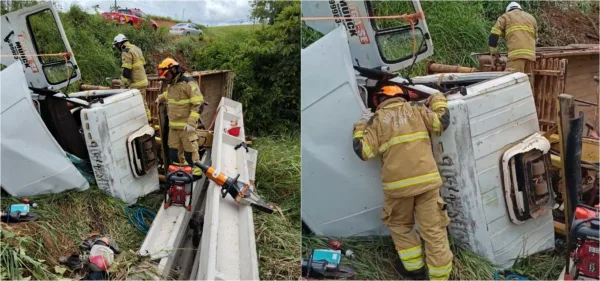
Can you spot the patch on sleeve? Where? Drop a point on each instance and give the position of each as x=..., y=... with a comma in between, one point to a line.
x=195, y=88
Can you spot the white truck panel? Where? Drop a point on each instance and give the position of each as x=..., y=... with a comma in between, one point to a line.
x=331, y=171
x=107, y=126
x=34, y=163
x=228, y=246
x=493, y=115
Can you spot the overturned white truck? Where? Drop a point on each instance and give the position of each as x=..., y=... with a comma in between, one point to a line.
x=493, y=160
x=44, y=129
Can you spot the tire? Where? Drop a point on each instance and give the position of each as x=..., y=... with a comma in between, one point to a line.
x=187, y=33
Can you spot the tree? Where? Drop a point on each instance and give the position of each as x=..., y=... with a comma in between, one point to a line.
x=267, y=10
x=96, y=8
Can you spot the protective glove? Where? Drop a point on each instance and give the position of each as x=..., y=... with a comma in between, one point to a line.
x=189, y=128
x=157, y=101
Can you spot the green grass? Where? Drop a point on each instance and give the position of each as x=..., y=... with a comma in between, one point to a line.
x=69, y=217
x=229, y=32
x=278, y=235
x=375, y=258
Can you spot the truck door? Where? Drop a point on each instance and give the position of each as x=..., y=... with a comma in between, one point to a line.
x=331, y=172
x=29, y=35
x=374, y=43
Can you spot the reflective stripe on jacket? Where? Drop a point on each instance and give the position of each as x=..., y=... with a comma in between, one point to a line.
x=519, y=29
x=132, y=58
x=399, y=131
x=184, y=99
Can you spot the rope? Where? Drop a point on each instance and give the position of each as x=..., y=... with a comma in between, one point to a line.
x=410, y=18
x=212, y=123
x=511, y=276
x=406, y=17
x=140, y=217
x=63, y=55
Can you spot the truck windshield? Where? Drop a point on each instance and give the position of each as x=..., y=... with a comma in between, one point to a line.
x=127, y=12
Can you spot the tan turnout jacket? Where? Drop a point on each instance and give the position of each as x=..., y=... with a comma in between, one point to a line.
x=519, y=29
x=400, y=132
x=184, y=99
x=132, y=58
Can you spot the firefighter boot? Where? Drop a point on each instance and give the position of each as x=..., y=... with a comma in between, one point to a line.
x=419, y=274
x=196, y=172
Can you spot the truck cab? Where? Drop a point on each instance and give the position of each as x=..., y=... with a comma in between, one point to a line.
x=493, y=160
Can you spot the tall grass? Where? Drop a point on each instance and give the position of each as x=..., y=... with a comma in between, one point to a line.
x=457, y=28
x=68, y=218
x=278, y=235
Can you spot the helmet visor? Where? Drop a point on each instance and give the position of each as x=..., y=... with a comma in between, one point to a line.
x=162, y=72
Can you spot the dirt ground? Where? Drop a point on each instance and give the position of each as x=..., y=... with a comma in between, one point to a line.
x=162, y=23
x=571, y=26
x=158, y=57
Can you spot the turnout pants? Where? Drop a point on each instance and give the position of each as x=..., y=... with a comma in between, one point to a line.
x=522, y=65
x=427, y=210
x=186, y=142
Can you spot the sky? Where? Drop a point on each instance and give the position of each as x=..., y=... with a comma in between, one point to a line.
x=206, y=12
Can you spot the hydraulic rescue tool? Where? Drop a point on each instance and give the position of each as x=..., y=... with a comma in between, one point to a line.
x=177, y=178
x=240, y=192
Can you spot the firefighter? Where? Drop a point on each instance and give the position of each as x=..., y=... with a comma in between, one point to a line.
x=132, y=62
x=519, y=30
x=185, y=102
x=399, y=131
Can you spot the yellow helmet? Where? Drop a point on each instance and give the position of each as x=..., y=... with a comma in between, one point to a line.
x=164, y=66
x=391, y=90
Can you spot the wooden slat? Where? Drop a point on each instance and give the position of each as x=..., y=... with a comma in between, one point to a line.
x=539, y=89
x=545, y=90
x=568, y=54
x=562, y=65
x=555, y=90
x=547, y=72
x=547, y=122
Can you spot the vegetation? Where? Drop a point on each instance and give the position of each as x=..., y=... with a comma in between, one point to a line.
x=266, y=61
x=278, y=235
x=267, y=67
x=457, y=28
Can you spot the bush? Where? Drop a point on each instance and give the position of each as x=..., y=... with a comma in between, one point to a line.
x=267, y=68
x=91, y=39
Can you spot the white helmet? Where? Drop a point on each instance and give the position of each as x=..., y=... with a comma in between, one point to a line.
x=120, y=38
x=513, y=5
